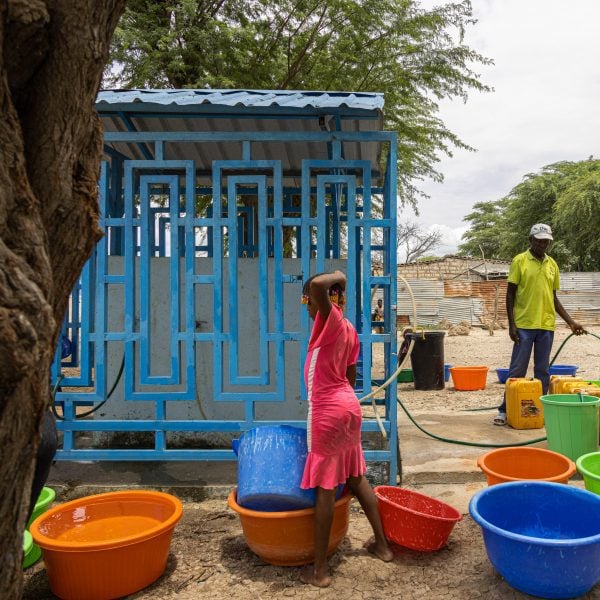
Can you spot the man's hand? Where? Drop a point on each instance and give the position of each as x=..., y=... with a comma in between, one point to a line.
x=513, y=332
x=576, y=328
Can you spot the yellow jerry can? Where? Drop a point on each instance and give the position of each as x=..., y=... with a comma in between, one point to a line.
x=568, y=387
x=590, y=390
x=523, y=405
x=557, y=383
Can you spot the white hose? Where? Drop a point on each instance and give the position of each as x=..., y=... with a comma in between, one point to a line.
x=371, y=395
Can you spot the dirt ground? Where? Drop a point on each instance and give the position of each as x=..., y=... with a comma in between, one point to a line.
x=210, y=559
x=493, y=351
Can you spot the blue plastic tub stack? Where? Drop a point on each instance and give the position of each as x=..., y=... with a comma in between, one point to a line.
x=270, y=467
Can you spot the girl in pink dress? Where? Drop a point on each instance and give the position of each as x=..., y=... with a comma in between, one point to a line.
x=334, y=420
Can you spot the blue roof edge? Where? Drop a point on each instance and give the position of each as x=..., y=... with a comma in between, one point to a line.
x=240, y=100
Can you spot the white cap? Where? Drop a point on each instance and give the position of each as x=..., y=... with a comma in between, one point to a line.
x=540, y=231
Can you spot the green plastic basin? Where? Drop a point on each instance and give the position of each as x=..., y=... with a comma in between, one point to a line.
x=405, y=376
x=31, y=552
x=588, y=466
x=34, y=553
x=45, y=499
x=571, y=423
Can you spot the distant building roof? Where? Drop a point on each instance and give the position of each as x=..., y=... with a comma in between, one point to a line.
x=447, y=257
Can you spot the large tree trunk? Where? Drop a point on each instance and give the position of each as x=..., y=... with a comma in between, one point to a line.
x=52, y=54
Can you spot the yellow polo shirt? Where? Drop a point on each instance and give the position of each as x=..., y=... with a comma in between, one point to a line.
x=536, y=282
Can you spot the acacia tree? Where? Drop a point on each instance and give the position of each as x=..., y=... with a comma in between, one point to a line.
x=414, y=56
x=52, y=54
x=576, y=217
x=483, y=235
x=566, y=195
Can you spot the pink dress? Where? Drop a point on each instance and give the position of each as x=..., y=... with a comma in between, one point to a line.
x=334, y=413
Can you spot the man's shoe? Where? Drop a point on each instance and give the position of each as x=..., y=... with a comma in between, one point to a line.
x=500, y=419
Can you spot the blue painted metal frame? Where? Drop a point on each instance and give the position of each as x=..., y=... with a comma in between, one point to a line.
x=339, y=190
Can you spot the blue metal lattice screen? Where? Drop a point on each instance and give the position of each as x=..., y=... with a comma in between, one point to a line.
x=189, y=307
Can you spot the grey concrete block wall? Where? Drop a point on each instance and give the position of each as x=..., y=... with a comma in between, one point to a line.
x=204, y=406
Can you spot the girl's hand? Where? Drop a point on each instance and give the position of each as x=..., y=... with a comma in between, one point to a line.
x=342, y=277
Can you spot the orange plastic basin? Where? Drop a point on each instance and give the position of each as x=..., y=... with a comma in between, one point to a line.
x=469, y=378
x=287, y=538
x=517, y=464
x=106, y=545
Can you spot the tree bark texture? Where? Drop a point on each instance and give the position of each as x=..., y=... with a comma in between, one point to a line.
x=52, y=54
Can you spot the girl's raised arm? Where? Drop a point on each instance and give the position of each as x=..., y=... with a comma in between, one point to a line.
x=319, y=290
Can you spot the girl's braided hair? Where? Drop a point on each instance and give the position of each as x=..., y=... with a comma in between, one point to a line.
x=336, y=293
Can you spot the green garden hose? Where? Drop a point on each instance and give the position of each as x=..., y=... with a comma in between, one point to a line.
x=551, y=363
x=462, y=442
x=97, y=406
x=481, y=444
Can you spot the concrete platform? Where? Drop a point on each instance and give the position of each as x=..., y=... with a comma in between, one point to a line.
x=430, y=461
x=437, y=467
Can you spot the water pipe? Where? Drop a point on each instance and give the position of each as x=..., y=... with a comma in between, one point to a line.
x=95, y=408
x=480, y=444
x=550, y=364
x=387, y=382
x=371, y=395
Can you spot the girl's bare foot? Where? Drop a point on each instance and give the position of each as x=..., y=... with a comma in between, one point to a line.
x=381, y=551
x=310, y=575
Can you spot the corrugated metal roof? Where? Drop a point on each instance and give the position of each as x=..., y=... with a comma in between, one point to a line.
x=584, y=300
x=457, y=287
x=273, y=99
x=579, y=295
x=492, y=269
x=217, y=111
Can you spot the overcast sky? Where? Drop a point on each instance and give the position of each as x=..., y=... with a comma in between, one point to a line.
x=545, y=106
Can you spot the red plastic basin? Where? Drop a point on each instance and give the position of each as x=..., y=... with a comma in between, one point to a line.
x=415, y=520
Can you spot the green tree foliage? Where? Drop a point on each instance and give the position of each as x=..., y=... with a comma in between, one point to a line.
x=576, y=217
x=415, y=57
x=566, y=195
x=483, y=234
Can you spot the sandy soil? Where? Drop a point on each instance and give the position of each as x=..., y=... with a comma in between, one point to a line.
x=209, y=557
x=493, y=351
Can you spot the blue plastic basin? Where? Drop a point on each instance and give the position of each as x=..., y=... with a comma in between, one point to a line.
x=447, y=372
x=502, y=375
x=563, y=370
x=543, y=538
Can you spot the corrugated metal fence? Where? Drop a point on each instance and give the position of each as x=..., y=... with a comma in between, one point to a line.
x=479, y=302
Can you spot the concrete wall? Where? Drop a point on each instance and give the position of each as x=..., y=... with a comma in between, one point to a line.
x=452, y=267
x=204, y=406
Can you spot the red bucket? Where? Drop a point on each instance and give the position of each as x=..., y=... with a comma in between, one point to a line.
x=414, y=520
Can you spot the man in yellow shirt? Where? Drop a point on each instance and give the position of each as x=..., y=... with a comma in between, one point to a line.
x=531, y=306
